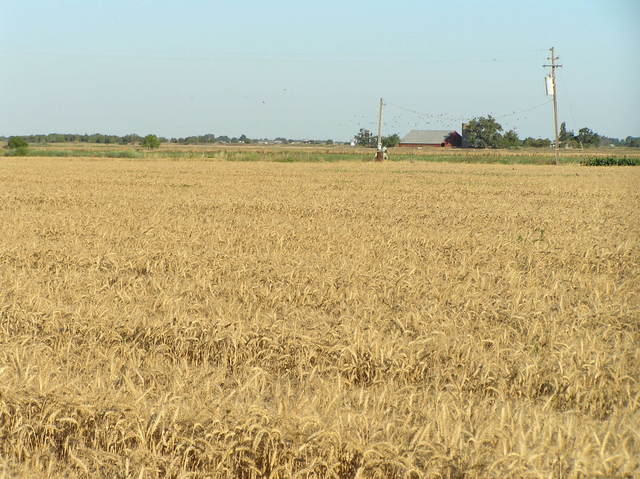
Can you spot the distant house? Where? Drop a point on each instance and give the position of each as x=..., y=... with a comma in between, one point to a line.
x=439, y=138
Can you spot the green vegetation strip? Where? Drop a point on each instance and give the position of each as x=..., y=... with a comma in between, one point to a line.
x=323, y=157
x=75, y=153
x=610, y=161
x=462, y=157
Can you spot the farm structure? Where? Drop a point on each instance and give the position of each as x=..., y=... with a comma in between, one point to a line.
x=438, y=138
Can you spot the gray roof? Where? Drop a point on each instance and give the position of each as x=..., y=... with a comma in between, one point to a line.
x=426, y=136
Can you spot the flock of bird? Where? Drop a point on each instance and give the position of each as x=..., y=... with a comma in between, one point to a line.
x=403, y=118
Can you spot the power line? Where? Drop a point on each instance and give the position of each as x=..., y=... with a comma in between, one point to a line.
x=428, y=116
x=523, y=111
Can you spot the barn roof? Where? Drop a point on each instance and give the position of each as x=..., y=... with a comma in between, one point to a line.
x=426, y=136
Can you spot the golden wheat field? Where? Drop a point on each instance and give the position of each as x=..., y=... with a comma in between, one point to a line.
x=215, y=319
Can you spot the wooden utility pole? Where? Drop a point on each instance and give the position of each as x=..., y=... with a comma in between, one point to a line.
x=380, y=152
x=551, y=85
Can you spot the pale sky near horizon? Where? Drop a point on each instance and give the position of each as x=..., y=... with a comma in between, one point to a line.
x=314, y=69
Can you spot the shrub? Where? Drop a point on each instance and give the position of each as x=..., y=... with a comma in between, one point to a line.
x=20, y=151
x=150, y=141
x=610, y=161
x=16, y=142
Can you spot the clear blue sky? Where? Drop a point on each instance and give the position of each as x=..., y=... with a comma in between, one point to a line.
x=313, y=69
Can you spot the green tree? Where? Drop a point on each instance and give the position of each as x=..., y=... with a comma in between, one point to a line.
x=365, y=138
x=17, y=145
x=16, y=142
x=632, y=141
x=483, y=132
x=511, y=140
x=150, y=141
x=566, y=137
x=536, y=142
x=588, y=137
x=390, y=141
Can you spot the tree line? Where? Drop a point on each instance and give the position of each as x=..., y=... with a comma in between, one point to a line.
x=133, y=139
x=86, y=138
x=588, y=138
x=481, y=132
x=19, y=144
x=486, y=132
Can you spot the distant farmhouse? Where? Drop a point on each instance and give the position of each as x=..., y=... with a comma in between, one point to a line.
x=439, y=138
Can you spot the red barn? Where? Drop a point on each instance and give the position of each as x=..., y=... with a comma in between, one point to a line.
x=439, y=138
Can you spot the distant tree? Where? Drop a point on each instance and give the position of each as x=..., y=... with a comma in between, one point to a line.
x=483, y=132
x=365, y=138
x=150, y=141
x=16, y=142
x=632, y=141
x=131, y=138
x=391, y=140
x=510, y=140
x=609, y=141
x=566, y=137
x=536, y=142
x=587, y=137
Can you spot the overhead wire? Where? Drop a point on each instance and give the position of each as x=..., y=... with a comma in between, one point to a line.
x=429, y=116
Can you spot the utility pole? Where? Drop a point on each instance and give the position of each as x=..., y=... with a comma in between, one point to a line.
x=552, y=89
x=379, y=152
